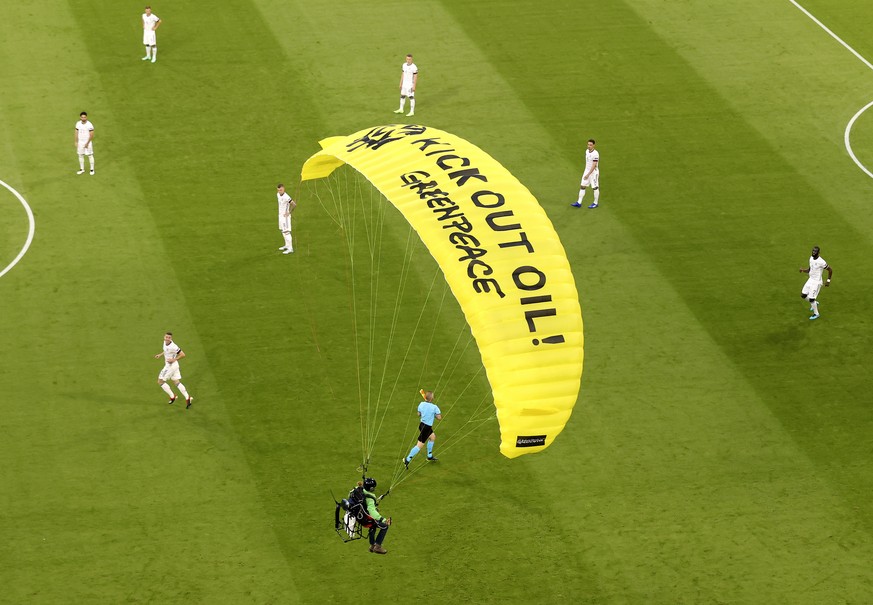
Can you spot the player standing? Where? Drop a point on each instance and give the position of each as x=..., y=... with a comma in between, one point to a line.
x=150, y=23
x=591, y=176
x=812, y=286
x=408, y=82
x=172, y=354
x=83, y=142
x=286, y=205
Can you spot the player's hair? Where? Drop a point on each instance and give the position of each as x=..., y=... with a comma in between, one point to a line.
x=409, y=55
x=84, y=113
x=592, y=141
x=279, y=185
x=148, y=6
x=168, y=333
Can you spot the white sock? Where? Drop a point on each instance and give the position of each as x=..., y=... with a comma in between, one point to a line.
x=402, y=103
x=148, y=51
x=82, y=162
x=581, y=195
x=815, y=307
x=91, y=159
x=182, y=390
x=411, y=104
x=596, y=195
x=167, y=390
x=288, y=243
x=154, y=53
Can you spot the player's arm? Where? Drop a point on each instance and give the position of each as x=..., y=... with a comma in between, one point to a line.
x=159, y=354
x=291, y=206
x=414, y=81
x=90, y=137
x=802, y=270
x=179, y=355
x=593, y=168
x=76, y=138
x=830, y=275
x=157, y=25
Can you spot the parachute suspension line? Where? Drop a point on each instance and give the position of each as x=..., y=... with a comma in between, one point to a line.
x=374, y=239
x=345, y=220
x=404, y=277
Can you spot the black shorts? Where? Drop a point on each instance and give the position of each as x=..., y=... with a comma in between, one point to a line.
x=425, y=431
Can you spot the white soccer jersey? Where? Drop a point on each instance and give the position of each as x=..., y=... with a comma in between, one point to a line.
x=409, y=70
x=84, y=129
x=816, y=266
x=284, y=203
x=591, y=156
x=149, y=21
x=170, y=351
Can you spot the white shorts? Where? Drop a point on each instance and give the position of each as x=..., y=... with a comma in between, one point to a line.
x=170, y=372
x=811, y=288
x=593, y=180
x=284, y=223
x=89, y=150
x=149, y=38
x=407, y=91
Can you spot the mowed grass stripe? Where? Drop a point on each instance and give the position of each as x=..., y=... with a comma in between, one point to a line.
x=487, y=115
x=658, y=106
x=800, y=107
x=113, y=495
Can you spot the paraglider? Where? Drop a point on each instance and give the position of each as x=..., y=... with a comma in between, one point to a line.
x=501, y=258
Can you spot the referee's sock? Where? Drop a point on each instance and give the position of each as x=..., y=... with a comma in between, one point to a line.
x=430, y=449
x=415, y=449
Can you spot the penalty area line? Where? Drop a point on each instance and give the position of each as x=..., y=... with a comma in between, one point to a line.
x=848, y=134
x=30, y=232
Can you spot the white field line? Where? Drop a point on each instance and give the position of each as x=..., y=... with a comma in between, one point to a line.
x=30, y=232
x=848, y=133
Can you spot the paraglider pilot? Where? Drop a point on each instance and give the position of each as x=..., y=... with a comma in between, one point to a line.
x=377, y=532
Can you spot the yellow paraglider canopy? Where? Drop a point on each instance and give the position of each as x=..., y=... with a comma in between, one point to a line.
x=501, y=258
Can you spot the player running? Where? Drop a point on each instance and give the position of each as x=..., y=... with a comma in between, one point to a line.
x=429, y=412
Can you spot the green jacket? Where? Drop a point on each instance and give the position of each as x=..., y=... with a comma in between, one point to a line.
x=372, y=510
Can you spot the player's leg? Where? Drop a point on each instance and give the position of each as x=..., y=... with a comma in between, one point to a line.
x=595, y=188
x=806, y=293
x=81, y=162
x=289, y=243
x=411, y=105
x=402, y=103
x=415, y=449
x=582, y=186
x=154, y=53
x=148, y=54
x=430, y=442
x=183, y=390
x=91, y=160
x=166, y=388
x=813, y=300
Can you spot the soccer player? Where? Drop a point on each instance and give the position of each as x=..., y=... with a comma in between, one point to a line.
x=83, y=142
x=172, y=354
x=408, y=82
x=429, y=412
x=150, y=23
x=812, y=286
x=591, y=176
x=286, y=205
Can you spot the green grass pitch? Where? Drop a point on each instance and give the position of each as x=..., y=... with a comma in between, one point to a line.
x=720, y=449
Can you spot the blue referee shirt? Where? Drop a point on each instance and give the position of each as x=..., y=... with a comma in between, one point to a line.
x=428, y=412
